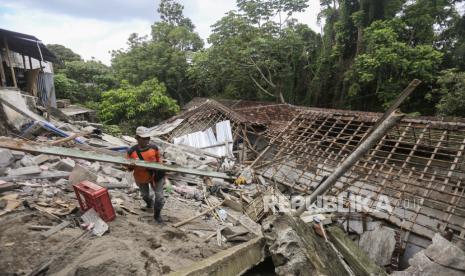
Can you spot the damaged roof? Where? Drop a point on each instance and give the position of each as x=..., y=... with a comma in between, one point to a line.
x=27, y=45
x=420, y=160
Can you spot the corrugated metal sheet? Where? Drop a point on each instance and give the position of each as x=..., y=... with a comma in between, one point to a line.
x=46, y=89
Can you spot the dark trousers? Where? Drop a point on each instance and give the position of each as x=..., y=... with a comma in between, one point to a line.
x=157, y=187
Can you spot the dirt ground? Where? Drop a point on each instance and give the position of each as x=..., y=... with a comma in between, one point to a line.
x=135, y=245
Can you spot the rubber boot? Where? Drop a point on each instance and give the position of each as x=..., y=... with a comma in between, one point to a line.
x=149, y=202
x=157, y=213
x=157, y=216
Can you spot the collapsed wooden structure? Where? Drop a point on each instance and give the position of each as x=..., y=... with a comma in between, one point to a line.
x=418, y=166
x=418, y=161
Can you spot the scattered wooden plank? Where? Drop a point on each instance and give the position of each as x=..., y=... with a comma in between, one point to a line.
x=39, y=227
x=55, y=229
x=5, y=187
x=232, y=202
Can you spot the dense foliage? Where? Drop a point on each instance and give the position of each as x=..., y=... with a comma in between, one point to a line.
x=368, y=51
x=130, y=106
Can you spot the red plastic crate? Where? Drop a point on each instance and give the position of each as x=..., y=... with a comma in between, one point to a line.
x=91, y=195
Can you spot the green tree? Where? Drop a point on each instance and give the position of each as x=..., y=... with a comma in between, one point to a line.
x=452, y=93
x=165, y=56
x=389, y=64
x=63, y=54
x=130, y=106
x=67, y=88
x=92, y=73
x=253, y=56
x=83, y=82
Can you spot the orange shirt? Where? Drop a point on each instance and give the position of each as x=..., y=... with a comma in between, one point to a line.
x=149, y=154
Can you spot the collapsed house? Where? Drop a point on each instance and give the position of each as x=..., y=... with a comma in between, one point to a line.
x=278, y=150
x=26, y=64
x=416, y=168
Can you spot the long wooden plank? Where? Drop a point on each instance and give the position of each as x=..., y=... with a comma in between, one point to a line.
x=93, y=156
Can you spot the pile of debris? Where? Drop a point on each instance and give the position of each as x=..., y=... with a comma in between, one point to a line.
x=234, y=174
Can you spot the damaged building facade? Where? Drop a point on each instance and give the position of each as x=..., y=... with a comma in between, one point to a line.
x=27, y=65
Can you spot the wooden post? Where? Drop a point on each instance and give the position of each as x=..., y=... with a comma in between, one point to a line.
x=30, y=63
x=24, y=62
x=2, y=71
x=5, y=42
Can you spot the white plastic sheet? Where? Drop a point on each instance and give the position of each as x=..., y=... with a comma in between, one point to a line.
x=208, y=141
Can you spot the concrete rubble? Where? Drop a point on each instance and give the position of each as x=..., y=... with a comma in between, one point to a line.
x=218, y=195
x=379, y=245
x=441, y=258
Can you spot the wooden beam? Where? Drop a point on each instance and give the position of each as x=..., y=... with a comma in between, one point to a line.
x=20, y=145
x=2, y=71
x=297, y=249
x=13, y=75
x=358, y=260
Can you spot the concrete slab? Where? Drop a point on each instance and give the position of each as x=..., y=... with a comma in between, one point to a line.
x=233, y=261
x=379, y=244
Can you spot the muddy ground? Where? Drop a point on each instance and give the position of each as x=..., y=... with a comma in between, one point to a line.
x=135, y=245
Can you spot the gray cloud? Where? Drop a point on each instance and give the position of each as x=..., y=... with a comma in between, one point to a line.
x=107, y=10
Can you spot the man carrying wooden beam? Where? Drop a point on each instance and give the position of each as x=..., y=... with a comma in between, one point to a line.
x=146, y=178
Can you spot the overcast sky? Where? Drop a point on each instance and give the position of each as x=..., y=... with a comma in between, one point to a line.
x=92, y=28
